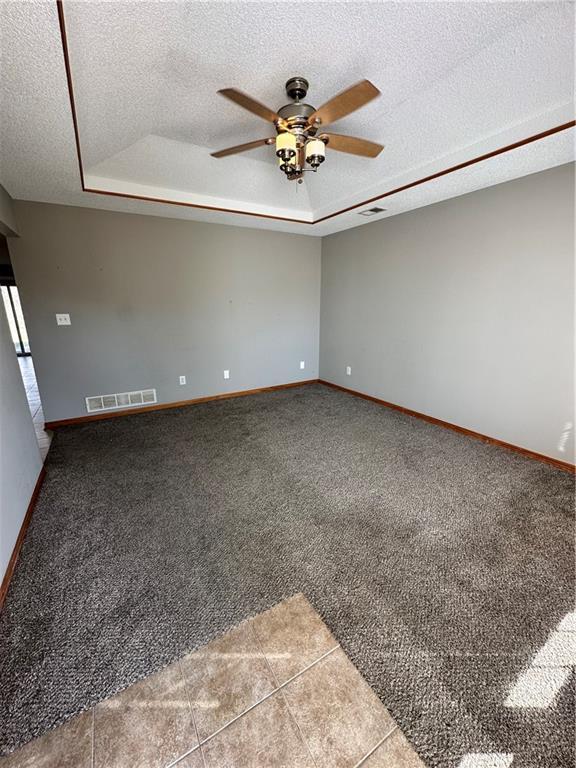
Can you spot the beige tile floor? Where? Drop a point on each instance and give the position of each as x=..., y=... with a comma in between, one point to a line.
x=43, y=436
x=276, y=691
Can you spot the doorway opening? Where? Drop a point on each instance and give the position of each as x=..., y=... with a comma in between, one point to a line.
x=19, y=334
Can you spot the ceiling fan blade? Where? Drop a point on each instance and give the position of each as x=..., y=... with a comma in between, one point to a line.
x=353, y=146
x=344, y=103
x=242, y=148
x=250, y=104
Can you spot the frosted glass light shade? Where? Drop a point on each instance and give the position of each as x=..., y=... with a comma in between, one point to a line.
x=315, y=151
x=285, y=145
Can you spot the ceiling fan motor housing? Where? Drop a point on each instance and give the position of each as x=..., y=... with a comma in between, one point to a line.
x=296, y=110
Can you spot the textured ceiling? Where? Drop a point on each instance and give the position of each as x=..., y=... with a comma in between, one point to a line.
x=457, y=80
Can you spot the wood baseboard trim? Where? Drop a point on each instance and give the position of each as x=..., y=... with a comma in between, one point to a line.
x=558, y=463
x=21, y=536
x=179, y=404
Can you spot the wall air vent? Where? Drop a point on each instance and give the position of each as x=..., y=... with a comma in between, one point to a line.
x=371, y=211
x=120, y=400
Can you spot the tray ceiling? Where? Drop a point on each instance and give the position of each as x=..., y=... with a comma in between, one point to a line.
x=458, y=80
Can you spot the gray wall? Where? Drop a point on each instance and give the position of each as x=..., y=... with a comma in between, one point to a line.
x=462, y=310
x=151, y=299
x=20, y=461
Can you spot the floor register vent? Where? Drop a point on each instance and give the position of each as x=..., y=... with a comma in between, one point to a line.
x=120, y=400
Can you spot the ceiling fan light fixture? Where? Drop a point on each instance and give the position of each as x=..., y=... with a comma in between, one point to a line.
x=315, y=152
x=286, y=145
x=297, y=143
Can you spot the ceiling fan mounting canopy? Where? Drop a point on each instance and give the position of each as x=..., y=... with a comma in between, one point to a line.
x=297, y=124
x=297, y=88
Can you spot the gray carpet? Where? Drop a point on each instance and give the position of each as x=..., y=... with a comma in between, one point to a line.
x=440, y=563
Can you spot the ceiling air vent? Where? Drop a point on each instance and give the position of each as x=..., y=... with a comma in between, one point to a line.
x=120, y=400
x=371, y=211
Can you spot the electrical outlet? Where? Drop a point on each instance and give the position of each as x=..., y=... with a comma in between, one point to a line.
x=348, y=370
x=226, y=374
x=302, y=365
x=62, y=319
x=182, y=379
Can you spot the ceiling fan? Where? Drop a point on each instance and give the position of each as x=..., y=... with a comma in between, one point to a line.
x=298, y=141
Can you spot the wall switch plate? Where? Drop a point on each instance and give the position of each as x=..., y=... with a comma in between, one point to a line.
x=62, y=319
x=226, y=374
x=302, y=365
x=182, y=379
x=348, y=370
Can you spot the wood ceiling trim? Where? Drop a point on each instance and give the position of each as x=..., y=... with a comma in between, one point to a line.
x=163, y=200
x=67, y=65
x=64, y=39
x=397, y=190
x=453, y=168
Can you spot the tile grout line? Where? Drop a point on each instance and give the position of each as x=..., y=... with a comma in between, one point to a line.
x=272, y=693
x=174, y=763
x=191, y=708
x=312, y=664
x=253, y=706
x=369, y=754
x=192, y=713
x=296, y=723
